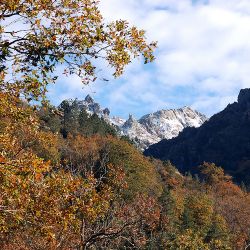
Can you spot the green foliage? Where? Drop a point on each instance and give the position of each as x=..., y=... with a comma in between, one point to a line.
x=188, y=240
x=69, y=118
x=70, y=114
x=94, y=125
x=127, y=139
x=213, y=174
x=140, y=173
x=198, y=213
x=218, y=234
x=50, y=120
x=96, y=152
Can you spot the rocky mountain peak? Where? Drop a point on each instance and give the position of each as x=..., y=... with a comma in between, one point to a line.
x=244, y=96
x=131, y=118
x=151, y=128
x=130, y=122
x=106, y=111
x=89, y=99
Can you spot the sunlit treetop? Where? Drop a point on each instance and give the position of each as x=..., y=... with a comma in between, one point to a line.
x=38, y=35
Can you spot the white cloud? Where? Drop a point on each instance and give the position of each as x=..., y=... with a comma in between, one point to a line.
x=203, y=59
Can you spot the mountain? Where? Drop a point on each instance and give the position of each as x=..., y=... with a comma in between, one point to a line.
x=167, y=124
x=90, y=106
x=151, y=128
x=224, y=140
x=138, y=133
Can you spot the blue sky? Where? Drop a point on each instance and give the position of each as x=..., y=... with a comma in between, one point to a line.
x=202, y=60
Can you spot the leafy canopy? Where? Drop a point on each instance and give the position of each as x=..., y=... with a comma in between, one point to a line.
x=38, y=35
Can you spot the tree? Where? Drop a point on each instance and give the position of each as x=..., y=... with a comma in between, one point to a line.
x=213, y=174
x=50, y=120
x=71, y=33
x=198, y=213
x=43, y=206
x=230, y=201
x=96, y=153
x=70, y=113
x=93, y=124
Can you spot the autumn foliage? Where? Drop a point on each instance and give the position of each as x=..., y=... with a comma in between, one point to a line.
x=65, y=185
x=74, y=202
x=81, y=192
x=70, y=33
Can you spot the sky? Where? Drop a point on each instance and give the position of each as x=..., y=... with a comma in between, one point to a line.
x=202, y=59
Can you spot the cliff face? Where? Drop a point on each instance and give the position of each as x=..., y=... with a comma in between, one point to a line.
x=224, y=139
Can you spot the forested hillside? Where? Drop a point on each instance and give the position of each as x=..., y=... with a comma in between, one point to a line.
x=69, y=117
x=87, y=190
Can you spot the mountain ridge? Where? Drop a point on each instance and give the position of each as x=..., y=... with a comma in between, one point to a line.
x=223, y=140
x=150, y=128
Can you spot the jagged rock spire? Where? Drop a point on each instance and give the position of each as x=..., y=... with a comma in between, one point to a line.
x=89, y=99
x=131, y=117
x=106, y=111
x=244, y=96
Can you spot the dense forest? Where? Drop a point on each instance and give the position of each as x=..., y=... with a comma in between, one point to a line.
x=88, y=188
x=67, y=181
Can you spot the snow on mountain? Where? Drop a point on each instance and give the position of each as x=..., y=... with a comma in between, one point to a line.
x=138, y=133
x=92, y=107
x=168, y=123
x=151, y=128
x=163, y=124
x=117, y=121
